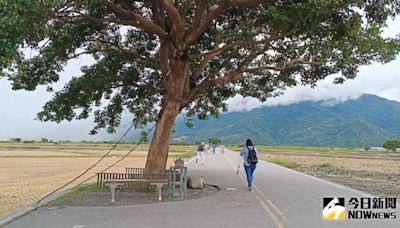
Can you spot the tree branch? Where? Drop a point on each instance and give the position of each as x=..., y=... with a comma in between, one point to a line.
x=107, y=20
x=236, y=75
x=222, y=7
x=176, y=21
x=198, y=15
x=164, y=63
x=216, y=51
x=207, y=84
x=130, y=53
x=246, y=3
x=113, y=46
x=158, y=14
x=207, y=58
x=194, y=35
x=284, y=68
x=142, y=22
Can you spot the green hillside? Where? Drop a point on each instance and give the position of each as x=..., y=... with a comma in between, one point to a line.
x=367, y=121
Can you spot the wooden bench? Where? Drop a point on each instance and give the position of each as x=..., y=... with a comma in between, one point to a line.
x=159, y=183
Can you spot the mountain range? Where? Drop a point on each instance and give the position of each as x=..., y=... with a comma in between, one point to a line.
x=367, y=121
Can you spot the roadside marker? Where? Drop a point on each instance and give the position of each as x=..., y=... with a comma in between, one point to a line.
x=231, y=189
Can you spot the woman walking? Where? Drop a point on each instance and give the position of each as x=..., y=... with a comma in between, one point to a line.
x=250, y=160
x=200, y=153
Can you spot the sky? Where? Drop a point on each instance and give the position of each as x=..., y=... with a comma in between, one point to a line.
x=19, y=108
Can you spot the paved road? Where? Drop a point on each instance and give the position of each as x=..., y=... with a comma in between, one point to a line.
x=296, y=198
x=281, y=198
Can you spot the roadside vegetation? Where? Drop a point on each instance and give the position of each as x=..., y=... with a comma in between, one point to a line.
x=323, y=151
x=182, y=155
x=324, y=165
x=284, y=162
x=73, y=193
x=392, y=145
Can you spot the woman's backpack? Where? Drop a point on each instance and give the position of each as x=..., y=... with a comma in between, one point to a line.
x=252, y=158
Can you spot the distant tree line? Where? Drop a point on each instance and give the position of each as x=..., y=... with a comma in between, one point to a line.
x=45, y=140
x=392, y=145
x=214, y=140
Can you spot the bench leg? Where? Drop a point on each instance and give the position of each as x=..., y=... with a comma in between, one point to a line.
x=113, y=187
x=159, y=192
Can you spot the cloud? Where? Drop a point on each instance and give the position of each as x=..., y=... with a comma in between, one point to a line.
x=19, y=108
x=378, y=79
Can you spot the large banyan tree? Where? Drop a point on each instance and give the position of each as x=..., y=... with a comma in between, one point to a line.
x=157, y=58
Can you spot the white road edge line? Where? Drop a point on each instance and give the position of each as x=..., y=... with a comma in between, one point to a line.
x=190, y=160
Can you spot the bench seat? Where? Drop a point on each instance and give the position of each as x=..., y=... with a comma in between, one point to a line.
x=159, y=183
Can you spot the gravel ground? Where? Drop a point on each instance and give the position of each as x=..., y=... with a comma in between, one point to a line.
x=129, y=197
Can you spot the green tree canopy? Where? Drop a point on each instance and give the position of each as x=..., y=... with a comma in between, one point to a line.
x=157, y=58
x=214, y=140
x=16, y=140
x=392, y=145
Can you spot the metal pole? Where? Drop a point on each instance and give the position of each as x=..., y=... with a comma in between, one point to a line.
x=237, y=171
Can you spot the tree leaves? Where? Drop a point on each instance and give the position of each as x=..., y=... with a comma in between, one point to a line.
x=252, y=48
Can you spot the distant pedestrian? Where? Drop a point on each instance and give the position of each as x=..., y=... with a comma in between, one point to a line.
x=200, y=153
x=213, y=146
x=206, y=148
x=222, y=149
x=250, y=160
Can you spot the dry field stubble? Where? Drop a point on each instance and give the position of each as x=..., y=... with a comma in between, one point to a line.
x=27, y=174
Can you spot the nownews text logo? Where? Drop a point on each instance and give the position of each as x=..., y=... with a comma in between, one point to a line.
x=336, y=208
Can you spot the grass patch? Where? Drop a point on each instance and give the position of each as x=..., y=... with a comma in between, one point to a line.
x=300, y=149
x=324, y=165
x=76, y=192
x=185, y=155
x=284, y=162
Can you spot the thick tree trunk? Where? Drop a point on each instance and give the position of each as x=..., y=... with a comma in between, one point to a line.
x=175, y=70
x=159, y=147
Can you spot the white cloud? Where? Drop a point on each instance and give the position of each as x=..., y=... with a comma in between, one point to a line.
x=378, y=79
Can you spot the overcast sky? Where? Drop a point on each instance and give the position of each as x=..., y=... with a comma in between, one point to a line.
x=19, y=108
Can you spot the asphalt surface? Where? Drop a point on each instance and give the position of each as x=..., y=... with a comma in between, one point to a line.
x=280, y=198
x=297, y=198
